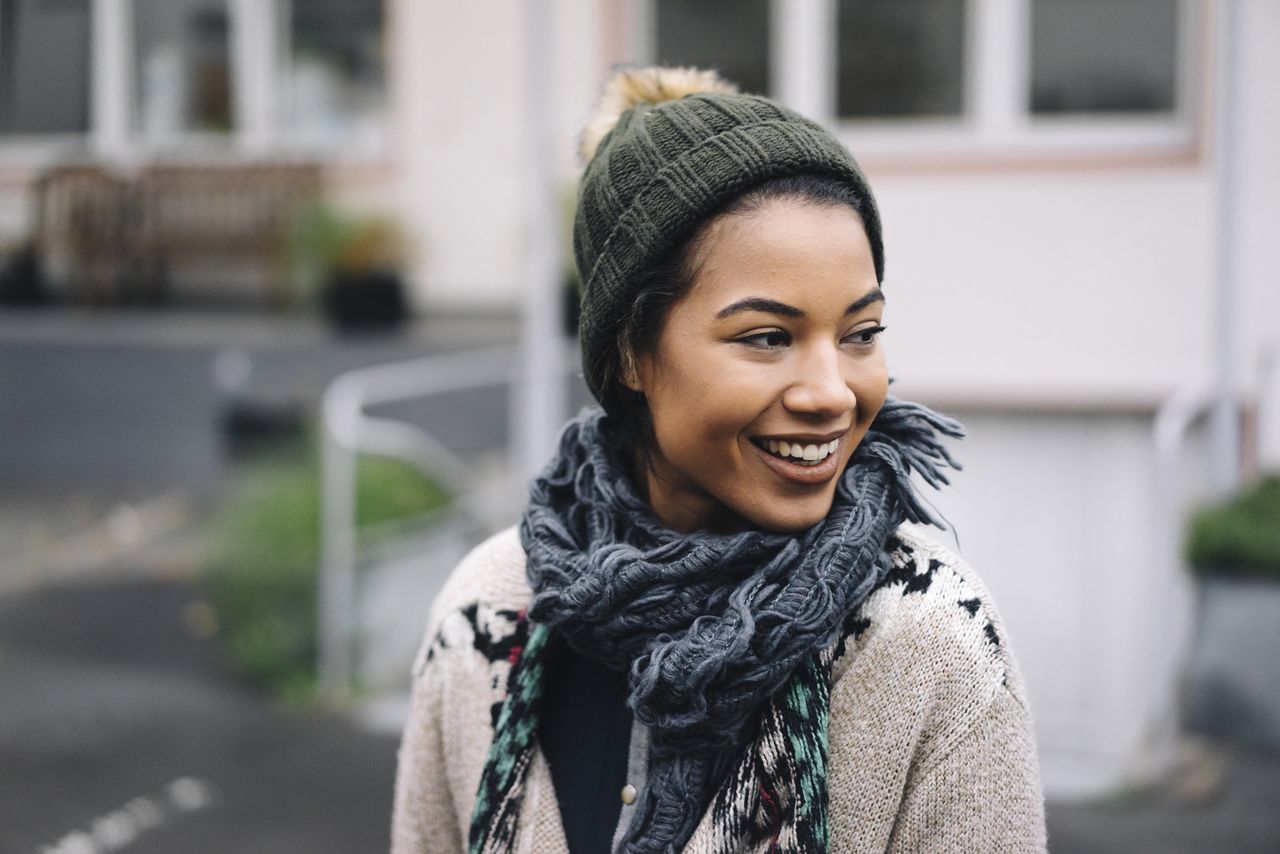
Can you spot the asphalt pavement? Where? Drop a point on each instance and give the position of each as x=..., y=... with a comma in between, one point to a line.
x=121, y=729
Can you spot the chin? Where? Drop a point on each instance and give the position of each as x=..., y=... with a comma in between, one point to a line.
x=794, y=519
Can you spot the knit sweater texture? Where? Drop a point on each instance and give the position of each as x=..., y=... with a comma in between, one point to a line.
x=930, y=744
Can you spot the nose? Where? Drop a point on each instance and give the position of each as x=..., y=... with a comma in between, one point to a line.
x=820, y=388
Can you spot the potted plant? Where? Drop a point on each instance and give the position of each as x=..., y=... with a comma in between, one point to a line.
x=1234, y=549
x=356, y=261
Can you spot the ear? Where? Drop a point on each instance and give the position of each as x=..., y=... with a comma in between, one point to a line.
x=630, y=370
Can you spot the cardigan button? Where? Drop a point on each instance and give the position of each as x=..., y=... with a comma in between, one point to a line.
x=628, y=794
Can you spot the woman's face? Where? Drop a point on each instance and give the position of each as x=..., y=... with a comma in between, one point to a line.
x=767, y=373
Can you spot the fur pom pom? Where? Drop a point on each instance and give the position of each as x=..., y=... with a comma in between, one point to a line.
x=651, y=85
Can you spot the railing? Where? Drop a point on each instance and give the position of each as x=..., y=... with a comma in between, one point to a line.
x=349, y=431
x=1174, y=420
x=1167, y=654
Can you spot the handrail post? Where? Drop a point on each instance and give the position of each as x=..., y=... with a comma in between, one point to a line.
x=1173, y=420
x=348, y=431
x=337, y=588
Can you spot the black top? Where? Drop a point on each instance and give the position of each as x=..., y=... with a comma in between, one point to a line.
x=586, y=739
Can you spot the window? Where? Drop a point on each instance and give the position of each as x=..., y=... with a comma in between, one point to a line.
x=900, y=58
x=728, y=35
x=923, y=76
x=1103, y=56
x=44, y=66
x=150, y=75
x=335, y=73
x=182, y=69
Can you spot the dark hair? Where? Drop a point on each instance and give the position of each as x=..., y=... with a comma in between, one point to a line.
x=664, y=283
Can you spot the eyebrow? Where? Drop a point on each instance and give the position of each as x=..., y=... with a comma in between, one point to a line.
x=771, y=306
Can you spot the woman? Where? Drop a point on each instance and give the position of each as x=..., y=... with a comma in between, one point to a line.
x=714, y=631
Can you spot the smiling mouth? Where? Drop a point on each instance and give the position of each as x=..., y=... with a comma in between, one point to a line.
x=798, y=453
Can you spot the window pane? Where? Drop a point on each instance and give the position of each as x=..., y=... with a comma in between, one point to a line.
x=44, y=66
x=335, y=79
x=1103, y=56
x=900, y=58
x=731, y=36
x=183, y=72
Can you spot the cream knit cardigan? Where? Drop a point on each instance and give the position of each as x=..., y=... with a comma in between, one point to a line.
x=930, y=740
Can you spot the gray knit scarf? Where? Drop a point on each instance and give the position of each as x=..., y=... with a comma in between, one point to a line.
x=710, y=626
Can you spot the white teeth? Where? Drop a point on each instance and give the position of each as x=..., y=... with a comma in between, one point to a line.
x=803, y=453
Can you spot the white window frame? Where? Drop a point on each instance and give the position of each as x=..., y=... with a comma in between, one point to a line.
x=113, y=135
x=995, y=118
x=258, y=50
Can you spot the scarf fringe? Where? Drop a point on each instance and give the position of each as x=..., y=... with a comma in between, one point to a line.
x=905, y=437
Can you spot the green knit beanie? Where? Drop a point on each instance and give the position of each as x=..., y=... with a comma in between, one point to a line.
x=668, y=148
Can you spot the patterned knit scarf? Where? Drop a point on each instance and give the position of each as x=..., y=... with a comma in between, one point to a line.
x=710, y=627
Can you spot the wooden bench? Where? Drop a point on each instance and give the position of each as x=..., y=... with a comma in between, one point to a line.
x=84, y=230
x=125, y=238
x=244, y=213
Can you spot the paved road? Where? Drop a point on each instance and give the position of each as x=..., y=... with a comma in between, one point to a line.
x=1233, y=808
x=108, y=697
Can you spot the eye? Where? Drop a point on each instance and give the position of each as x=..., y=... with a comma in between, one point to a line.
x=864, y=337
x=769, y=339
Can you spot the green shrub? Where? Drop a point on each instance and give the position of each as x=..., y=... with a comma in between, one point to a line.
x=1239, y=536
x=262, y=559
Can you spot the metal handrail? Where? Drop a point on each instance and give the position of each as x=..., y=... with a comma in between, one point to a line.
x=1173, y=421
x=349, y=431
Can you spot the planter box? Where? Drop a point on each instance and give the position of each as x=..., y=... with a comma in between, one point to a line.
x=1233, y=687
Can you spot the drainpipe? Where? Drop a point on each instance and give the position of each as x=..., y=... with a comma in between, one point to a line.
x=1224, y=423
x=538, y=396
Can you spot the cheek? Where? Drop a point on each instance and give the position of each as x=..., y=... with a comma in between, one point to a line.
x=699, y=407
x=694, y=411
x=870, y=388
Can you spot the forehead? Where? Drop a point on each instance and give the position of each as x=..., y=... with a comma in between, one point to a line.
x=788, y=250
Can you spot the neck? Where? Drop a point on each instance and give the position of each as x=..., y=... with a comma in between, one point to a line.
x=679, y=505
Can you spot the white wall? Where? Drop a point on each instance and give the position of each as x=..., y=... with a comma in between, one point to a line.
x=1057, y=513
x=459, y=123
x=458, y=146
x=1048, y=281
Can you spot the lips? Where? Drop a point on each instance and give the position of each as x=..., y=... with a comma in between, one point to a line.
x=807, y=460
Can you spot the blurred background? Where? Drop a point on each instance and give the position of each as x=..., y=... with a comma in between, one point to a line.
x=286, y=322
